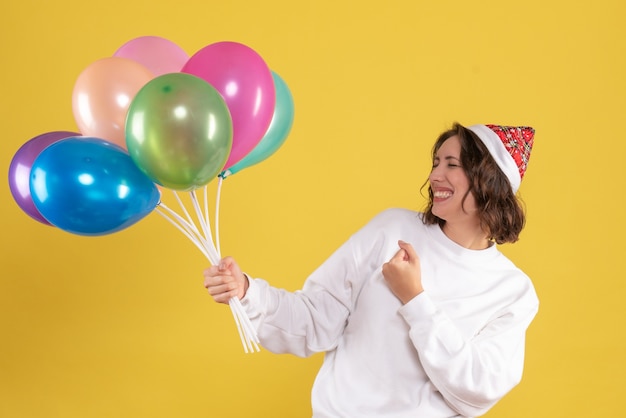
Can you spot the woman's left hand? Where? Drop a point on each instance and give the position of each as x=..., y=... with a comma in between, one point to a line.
x=403, y=273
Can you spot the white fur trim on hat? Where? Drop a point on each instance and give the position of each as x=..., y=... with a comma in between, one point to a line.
x=499, y=153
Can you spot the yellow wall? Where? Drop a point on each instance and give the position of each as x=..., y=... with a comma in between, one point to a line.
x=120, y=325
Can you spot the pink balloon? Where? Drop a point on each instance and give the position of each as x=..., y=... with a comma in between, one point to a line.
x=157, y=54
x=102, y=95
x=245, y=82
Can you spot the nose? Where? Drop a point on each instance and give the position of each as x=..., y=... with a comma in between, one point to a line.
x=435, y=174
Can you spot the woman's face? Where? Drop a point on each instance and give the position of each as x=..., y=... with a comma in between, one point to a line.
x=450, y=184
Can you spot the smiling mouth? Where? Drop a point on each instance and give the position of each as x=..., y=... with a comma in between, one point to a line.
x=442, y=194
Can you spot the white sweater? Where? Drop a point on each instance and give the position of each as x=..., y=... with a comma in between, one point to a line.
x=454, y=350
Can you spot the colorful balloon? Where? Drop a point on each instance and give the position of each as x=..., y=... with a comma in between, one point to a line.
x=241, y=76
x=88, y=186
x=276, y=133
x=179, y=131
x=157, y=54
x=102, y=94
x=20, y=167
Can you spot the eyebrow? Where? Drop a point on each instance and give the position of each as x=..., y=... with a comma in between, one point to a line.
x=448, y=157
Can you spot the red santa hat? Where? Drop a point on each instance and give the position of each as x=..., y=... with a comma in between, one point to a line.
x=509, y=146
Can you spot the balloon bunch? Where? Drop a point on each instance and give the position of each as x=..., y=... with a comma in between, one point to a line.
x=151, y=118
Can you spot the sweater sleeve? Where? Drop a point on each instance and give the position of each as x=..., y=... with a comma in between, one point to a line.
x=310, y=320
x=298, y=323
x=471, y=374
x=313, y=319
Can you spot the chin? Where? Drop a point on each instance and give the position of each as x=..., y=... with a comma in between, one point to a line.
x=438, y=214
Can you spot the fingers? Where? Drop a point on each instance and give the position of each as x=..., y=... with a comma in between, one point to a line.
x=213, y=275
x=219, y=281
x=223, y=292
x=405, y=253
x=403, y=274
x=225, y=280
x=400, y=255
x=226, y=263
x=409, y=250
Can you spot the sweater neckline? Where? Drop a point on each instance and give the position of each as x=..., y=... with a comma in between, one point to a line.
x=459, y=251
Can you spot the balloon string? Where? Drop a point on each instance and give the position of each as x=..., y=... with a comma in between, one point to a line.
x=193, y=225
x=180, y=223
x=204, y=242
x=249, y=330
x=241, y=318
x=182, y=227
x=217, y=215
x=191, y=231
x=206, y=209
x=206, y=228
x=184, y=209
x=244, y=339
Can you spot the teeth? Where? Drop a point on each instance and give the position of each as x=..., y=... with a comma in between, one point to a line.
x=442, y=194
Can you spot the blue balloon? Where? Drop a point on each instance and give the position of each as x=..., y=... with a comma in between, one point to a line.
x=88, y=186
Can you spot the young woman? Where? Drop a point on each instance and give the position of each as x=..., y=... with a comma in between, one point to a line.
x=419, y=314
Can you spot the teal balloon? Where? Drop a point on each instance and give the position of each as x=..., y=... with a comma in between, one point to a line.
x=89, y=186
x=179, y=131
x=276, y=133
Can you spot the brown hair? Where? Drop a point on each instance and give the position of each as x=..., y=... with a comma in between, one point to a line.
x=499, y=210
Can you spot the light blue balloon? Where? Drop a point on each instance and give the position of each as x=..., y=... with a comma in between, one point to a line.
x=88, y=186
x=276, y=133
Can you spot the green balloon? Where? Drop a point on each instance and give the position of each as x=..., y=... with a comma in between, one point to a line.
x=179, y=131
